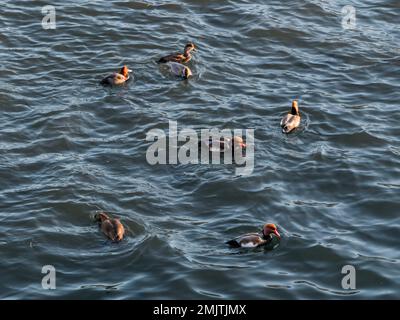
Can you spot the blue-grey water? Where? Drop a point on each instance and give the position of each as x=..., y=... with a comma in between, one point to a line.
x=69, y=148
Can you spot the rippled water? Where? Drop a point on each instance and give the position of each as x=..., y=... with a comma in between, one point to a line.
x=69, y=148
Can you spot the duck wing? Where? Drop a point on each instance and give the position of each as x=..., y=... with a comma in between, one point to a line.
x=250, y=240
x=285, y=119
x=107, y=80
x=217, y=145
x=175, y=57
x=113, y=229
x=119, y=78
x=176, y=68
x=119, y=229
x=108, y=229
x=114, y=79
x=290, y=122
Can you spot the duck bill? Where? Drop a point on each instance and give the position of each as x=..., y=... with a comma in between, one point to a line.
x=277, y=234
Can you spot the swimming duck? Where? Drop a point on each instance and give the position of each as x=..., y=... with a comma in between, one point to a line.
x=180, y=70
x=112, y=228
x=117, y=78
x=225, y=144
x=184, y=57
x=292, y=120
x=253, y=240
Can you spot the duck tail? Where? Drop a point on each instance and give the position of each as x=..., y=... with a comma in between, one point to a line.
x=104, y=82
x=233, y=243
x=162, y=60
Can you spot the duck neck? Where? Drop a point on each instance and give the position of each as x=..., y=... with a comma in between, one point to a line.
x=268, y=235
x=103, y=217
x=295, y=111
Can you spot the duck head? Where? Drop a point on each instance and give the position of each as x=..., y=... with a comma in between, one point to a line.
x=238, y=142
x=101, y=217
x=125, y=71
x=189, y=47
x=270, y=228
x=295, y=108
x=186, y=73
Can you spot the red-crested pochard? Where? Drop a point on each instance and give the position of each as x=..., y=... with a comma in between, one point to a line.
x=117, y=78
x=253, y=240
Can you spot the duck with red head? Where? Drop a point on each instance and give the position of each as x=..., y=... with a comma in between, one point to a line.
x=112, y=228
x=253, y=240
x=184, y=57
x=117, y=78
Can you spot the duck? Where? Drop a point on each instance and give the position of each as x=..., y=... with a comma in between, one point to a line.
x=117, y=78
x=184, y=57
x=112, y=228
x=254, y=240
x=292, y=120
x=224, y=144
x=180, y=70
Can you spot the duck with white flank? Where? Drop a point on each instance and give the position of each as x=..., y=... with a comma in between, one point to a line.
x=117, y=78
x=253, y=240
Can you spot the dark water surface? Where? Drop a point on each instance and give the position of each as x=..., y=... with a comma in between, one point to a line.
x=69, y=147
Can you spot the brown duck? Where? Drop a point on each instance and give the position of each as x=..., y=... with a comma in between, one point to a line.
x=184, y=57
x=292, y=120
x=112, y=228
x=253, y=240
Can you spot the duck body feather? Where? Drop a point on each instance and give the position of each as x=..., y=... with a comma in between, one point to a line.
x=179, y=70
x=184, y=57
x=176, y=57
x=249, y=240
x=117, y=78
x=114, y=79
x=290, y=122
x=112, y=228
